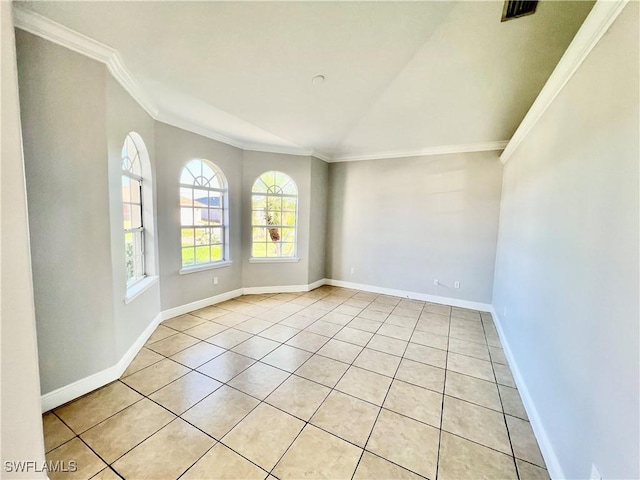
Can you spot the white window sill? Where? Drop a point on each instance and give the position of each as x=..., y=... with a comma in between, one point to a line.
x=137, y=288
x=274, y=260
x=208, y=266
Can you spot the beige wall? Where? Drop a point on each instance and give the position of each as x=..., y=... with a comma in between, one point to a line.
x=401, y=223
x=566, y=287
x=21, y=438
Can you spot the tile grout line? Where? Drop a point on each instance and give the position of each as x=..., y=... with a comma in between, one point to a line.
x=385, y=398
x=444, y=389
x=504, y=415
x=331, y=389
x=79, y=437
x=109, y=465
x=199, y=429
x=177, y=416
x=83, y=442
x=259, y=400
x=234, y=327
x=290, y=374
x=350, y=365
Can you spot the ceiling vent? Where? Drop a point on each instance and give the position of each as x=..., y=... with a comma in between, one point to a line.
x=517, y=8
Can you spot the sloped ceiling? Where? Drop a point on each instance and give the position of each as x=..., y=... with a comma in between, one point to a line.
x=401, y=77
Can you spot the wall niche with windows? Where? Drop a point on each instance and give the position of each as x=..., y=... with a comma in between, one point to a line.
x=133, y=220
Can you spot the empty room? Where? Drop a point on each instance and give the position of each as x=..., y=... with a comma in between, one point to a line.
x=320, y=239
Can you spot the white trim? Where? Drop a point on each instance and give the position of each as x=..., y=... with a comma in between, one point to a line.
x=454, y=302
x=317, y=284
x=190, y=126
x=283, y=288
x=286, y=150
x=602, y=15
x=321, y=156
x=205, y=302
x=274, y=260
x=78, y=388
x=85, y=385
x=201, y=268
x=439, y=150
x=128, y=357
x=138, y=288
x=39, y=25
x=551, y=459
x=123, y=77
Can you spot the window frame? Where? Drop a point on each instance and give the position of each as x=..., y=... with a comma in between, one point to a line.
x=223, y=193
x=263, y=211
x=138, y=233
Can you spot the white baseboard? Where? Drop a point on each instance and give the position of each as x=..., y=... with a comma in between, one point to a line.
x=283, y=288
x=85, y=385
x=205, y=302
x=551, y=459
x=128, y=357
x=454, y=302
x=78, y=388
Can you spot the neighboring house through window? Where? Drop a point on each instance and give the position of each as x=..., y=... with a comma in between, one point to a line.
x=203, y=214
x=274, y=216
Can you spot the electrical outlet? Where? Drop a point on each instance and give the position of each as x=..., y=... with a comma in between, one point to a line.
x=436, y=281
x=595, y=475
x=215, y=280
x=353, y=270
x=456, y=285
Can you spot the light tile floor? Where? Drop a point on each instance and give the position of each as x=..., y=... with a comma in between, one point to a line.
x=333, y=383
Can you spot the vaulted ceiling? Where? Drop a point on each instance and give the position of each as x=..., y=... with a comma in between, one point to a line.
x=400, y=77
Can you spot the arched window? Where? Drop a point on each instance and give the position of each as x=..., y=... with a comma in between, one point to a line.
x=274, y=216
x=132, y=211
x=203, y=214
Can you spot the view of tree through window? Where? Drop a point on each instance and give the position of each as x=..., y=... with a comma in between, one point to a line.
x=203, y=193
x=274, y=211
x=132, y=211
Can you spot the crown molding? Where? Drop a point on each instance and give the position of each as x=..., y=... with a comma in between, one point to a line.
x=41, y=26
x=122, y=76
x=257, y=147
x=52, y=31
x=321, y=156
x=48, y=29
x=440, y=150
x=193, y=127
x=602, y=15
x=286, y=150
